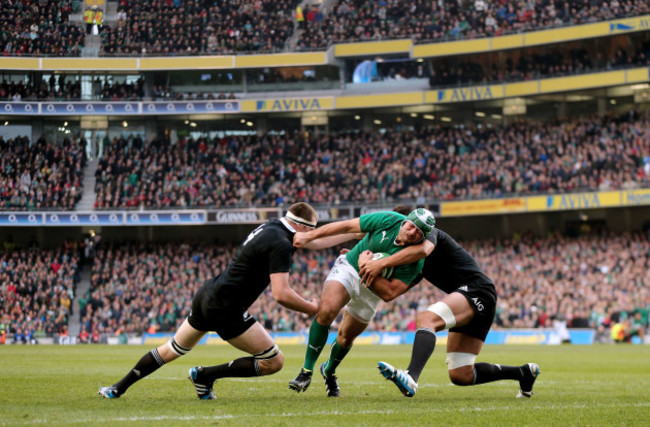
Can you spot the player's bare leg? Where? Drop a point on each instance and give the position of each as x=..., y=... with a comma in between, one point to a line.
x=453, y=310
x=266, y=359
x=334, y=297
x=462, y=350
x=185, y=339
x=349, y=330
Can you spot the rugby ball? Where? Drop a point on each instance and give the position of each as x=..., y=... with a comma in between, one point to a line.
x=387, y=273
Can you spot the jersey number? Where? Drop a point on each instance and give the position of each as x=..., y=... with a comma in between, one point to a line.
x=253, y=234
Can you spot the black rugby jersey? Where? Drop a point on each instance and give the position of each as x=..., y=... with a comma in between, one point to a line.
x=450, y=266
x=268, y=249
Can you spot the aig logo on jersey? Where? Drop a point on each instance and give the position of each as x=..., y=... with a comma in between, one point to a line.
x=477, y=302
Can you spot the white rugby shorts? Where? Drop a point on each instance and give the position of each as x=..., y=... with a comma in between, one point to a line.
x=363, y=303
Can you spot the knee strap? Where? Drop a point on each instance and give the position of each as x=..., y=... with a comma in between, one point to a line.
x=458, y=360
x=176, y=348
x=443, y=311
x=269, y=353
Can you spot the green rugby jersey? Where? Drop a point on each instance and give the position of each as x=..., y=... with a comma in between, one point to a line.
x=381, y=230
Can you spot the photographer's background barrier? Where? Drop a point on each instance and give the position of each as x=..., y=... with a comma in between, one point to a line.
x=505, y=336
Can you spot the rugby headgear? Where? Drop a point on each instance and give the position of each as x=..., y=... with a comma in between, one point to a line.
x=423, y=219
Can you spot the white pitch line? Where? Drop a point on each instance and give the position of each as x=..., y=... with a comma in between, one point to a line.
x=411, y=411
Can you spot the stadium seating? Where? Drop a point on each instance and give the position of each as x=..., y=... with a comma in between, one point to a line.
x=36, y=290
x=40, y=176
x=590, y=153
x=39, y=28
x=590, y=281
x=177, y=27
x=424, y=21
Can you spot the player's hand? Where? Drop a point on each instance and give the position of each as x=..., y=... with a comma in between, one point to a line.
x=300, y=239
x=315, y=303
x=370, y=271
x=364, y=258
x=344, y=251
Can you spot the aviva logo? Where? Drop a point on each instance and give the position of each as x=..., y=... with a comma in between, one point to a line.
x=475, y=93
x=289, y=104
x=573, y=201
x=620, y=27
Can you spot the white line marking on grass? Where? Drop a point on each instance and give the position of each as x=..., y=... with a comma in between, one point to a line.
x=409, y=410
x=380, y=381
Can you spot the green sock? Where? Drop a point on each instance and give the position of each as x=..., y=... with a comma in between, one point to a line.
x=317, y=338
x=337, y=354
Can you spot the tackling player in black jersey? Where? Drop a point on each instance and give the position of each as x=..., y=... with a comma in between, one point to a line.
x=467, y=311
x=221, y=304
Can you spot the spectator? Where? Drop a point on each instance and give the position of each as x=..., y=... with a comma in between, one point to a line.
x=33, y=296
x=136, y=286
x=441, y=163
x=42, y=175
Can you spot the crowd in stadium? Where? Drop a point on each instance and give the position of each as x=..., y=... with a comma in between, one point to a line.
x=443, y=163
x=176, y=27
x=40, y=175
x=425, y=21
x=550, y=63
x=68, y=88
x=597, y=280
x=36, y=291
x=39, y=27
x=204, y=26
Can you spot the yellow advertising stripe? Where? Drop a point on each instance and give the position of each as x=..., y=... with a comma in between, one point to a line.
x=281, y=60
x=57, y=64
x=575, y=32
x=19, y=63
x=533, y=38
x=186, y=63
x=452, y=48
x=635, y=197
x=507, y=42
x=561, y=84
x=288, y=104
x=373, y=48
x=536, y=203
x=523, y=88
x=483, y=207
x=383, y=100
x=638, y=75
x=464, y=94
x=573, y=201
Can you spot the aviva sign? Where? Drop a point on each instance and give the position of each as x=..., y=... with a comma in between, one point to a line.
x=290, y=104
x=470, y=93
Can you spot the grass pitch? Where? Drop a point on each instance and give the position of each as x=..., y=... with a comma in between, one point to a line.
x=579, y=385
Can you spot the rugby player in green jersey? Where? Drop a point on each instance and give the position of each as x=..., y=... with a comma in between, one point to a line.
x=386, y=232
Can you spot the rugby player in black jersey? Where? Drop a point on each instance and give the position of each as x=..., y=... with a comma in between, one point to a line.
x=221, y=304
x=467, y=311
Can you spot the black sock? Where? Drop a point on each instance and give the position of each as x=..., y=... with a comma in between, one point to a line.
x=243, y=367
x=425, y=342
x=487, y=372
x=148, y=364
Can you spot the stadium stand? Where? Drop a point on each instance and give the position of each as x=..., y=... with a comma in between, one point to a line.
x=39, y=27
x=590, y=153
x=594, y=281
x=424, y=21
x=42, y=175
x=200, y=27
x=550, y=63
x=37, y=287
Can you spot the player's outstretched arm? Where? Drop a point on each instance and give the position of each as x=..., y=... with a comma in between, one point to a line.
x=388, y=290
x=335, y=228
x=370, y=270
x=288, y=298
x=328, y=242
